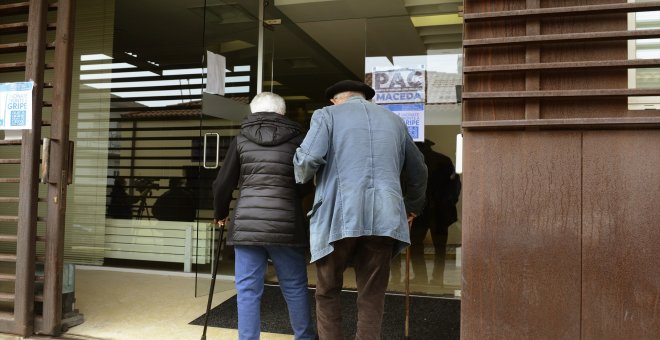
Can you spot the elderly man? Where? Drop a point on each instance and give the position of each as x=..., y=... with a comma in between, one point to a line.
x=358, y=152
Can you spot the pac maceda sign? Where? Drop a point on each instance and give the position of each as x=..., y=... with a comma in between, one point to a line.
x=402, y=85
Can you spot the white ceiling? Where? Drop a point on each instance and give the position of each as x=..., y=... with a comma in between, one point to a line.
x=318, y=43
x=350, y=30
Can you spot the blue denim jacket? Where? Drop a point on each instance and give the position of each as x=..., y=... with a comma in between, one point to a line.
x=358, y=152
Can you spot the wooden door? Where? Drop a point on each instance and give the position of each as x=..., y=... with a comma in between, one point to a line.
x=35, y=166
x=560, y=218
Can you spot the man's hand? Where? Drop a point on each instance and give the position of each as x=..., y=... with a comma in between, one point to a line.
x=220, y=223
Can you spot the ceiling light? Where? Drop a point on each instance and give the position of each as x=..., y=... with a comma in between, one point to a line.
x=184, y=71
x=117, y=75
x=156, y=93
x=437, y=20
x=242, y=68
x=92, y=57
x=112, y=66
x=234, y=45
x=143, y=84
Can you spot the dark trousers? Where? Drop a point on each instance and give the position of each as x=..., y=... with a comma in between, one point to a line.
x=371, y=256
x=439, y=237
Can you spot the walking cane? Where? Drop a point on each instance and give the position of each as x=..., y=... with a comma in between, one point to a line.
x=406, y=335
x=215, y=272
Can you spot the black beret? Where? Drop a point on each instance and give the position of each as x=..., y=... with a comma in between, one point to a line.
x=349, y=85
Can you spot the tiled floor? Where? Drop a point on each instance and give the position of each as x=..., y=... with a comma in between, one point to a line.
x=124, y=304
x=145, y=305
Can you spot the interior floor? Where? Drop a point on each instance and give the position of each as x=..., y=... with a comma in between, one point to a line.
x=127, y=304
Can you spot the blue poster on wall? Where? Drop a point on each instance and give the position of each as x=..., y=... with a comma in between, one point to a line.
x=413, y=116
x=16, y=106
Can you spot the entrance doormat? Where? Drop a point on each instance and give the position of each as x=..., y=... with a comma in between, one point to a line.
x=430, y=317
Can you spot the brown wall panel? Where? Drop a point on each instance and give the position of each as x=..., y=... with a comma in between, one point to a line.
x=561, y=227
x=621, y=232
x=565, y=3
x=595, y=50
x=495, y=56
x=585, y=23
x=576, y=80
x=494, y=6
x=508, y=28
x=491, y=110
x=598, y=107
x=521, y=235
x=496, y=82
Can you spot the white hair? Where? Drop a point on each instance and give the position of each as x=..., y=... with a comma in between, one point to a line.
x=348, y=94
x=268, y=102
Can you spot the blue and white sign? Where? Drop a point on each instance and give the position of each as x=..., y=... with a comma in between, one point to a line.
x=413, y=116
x=16, y=106
x=400, y=85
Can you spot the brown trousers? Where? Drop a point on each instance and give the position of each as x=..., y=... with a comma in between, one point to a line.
x=371, y=256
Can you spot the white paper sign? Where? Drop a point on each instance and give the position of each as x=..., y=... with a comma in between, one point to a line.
x=16, y=106
x=413, y=116
x=215, y=66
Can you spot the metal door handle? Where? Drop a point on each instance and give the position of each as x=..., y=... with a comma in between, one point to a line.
x=69, y=171
x=217, y=150
x=45, y=160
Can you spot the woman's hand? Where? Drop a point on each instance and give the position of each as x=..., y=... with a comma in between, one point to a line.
x=220, y=223
x=411, y=217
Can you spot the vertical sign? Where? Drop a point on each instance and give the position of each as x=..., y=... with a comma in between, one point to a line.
x=215, y=73
x=16, y=106
x=413, y=116
x=403, y=91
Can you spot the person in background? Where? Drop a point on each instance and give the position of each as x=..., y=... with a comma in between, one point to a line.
x=121, y=203
x=267, y=221
x=177, y=204
x=439, y=213
x=359, y=152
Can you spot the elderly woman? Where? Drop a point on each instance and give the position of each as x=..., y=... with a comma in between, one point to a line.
x=267, y=221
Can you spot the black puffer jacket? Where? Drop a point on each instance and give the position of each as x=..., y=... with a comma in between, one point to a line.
x=259, y=161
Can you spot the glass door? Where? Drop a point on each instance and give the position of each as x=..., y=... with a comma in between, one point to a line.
x=231, y=58
x=137, y=95
x=140, y=192
x=261, y=50
x=420, y=79
x=299, y=64
x=298, y=49
x=138, y=127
